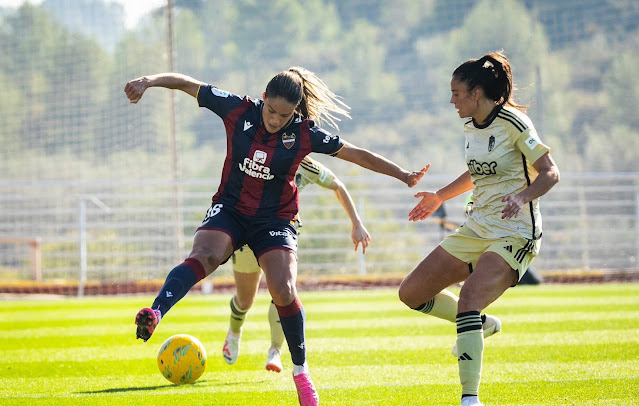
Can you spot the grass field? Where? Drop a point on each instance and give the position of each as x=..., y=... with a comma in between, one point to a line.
x=560, y=345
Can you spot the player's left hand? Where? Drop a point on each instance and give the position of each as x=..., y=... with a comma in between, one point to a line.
x=416, y=176
x=514, y=203
x=359, y=236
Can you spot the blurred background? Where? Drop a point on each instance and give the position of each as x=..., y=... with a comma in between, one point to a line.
x=97, y=192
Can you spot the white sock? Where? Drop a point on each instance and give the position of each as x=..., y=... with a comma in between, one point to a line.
x=300, y=369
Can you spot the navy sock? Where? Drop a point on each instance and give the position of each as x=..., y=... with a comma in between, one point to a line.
x=178, y=282
x=292, y=319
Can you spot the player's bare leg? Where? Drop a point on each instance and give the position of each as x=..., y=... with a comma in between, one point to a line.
x=424, y=289
x=440, y=270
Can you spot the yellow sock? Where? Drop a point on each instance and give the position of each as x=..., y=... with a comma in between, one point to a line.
x=237, y=317
x=470, y=347
x=443, y=306
x=277, y=335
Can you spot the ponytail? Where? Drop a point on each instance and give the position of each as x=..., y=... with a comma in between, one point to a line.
x=312, y=98
x=493, y=75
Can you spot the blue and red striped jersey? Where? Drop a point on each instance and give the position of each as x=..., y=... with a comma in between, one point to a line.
x=258, y=177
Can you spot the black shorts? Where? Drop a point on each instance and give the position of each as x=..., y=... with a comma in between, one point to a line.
x=259, y=234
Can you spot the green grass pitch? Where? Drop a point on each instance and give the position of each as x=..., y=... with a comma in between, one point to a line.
x=560, y=345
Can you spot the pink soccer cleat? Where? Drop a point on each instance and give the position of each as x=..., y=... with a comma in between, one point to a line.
x=146, y=319
x=306, y=392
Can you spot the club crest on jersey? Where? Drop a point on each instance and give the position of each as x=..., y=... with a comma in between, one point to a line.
x=288, y=140
x=491, y=143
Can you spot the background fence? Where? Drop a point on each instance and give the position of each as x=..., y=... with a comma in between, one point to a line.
x=95, y=189
x=126, y=231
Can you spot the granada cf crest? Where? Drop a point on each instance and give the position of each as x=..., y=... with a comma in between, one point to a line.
x=288, y=140
x=491, y=143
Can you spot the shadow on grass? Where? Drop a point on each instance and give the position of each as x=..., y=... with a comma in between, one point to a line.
x=200, y=383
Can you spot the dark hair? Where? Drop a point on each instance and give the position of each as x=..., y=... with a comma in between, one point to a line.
x=492, y=74
x=287, y=86
x=311, y=97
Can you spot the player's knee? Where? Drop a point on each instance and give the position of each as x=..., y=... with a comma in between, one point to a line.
x=209, y=259
x=406, y=294
x=244, y=303
x=401, y=293
x=283, y=295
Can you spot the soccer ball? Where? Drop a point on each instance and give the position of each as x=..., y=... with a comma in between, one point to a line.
x=182, y=359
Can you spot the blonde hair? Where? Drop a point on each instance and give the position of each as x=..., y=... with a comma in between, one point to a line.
x=312, y=98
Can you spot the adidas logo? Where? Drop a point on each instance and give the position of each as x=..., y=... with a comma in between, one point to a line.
x=169, y=294
x=247, y=125
x=301, y=346
x=464, y=357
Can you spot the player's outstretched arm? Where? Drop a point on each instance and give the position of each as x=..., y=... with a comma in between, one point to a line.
x=359, y=233
x=135, y=88
x=430, y=201
x=377, y=163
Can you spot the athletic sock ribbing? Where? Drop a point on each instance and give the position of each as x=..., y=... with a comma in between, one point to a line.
x=443, y=306
x=237, y=317
x=470, y=347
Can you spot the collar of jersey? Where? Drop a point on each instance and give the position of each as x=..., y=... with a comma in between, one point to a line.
x=491, y=117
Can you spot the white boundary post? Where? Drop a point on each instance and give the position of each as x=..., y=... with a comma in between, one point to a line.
x=82, y=231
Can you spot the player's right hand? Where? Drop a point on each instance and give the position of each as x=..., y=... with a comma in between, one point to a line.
x=135, y=88
x=416, y=176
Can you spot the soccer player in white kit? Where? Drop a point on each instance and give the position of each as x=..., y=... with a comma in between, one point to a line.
x=509, y=168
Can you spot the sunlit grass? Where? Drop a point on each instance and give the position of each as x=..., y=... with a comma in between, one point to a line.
x=560, y=345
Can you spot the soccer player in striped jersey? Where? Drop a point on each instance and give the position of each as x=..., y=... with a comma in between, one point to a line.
x=257, y=202
x=509, y=168
x=247, y=272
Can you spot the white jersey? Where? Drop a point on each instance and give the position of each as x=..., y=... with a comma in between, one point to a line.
x=310, y=172
x=499, y=156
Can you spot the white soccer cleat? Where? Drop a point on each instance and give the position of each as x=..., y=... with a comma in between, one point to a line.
x=231, y=349
x=471, y=401
x=491, y=326
x=274, y=361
